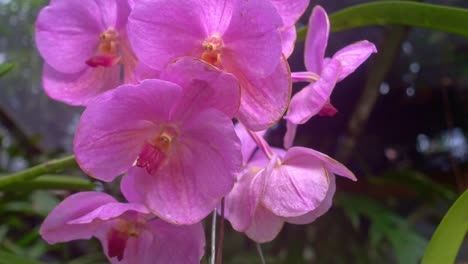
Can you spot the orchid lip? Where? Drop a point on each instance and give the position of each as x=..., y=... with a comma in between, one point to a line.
x=212, y=47
x=119, y=235
x=155, y=152
x=107, y=51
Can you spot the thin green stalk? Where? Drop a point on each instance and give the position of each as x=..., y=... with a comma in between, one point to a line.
x=51, y=166
x=260, y=253
x=51, y=182
x=213, y=238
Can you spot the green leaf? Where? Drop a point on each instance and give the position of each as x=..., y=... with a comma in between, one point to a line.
x=386, y=226
x=417, y=182
x=449, y=235
x=407, y=13
x=5, y=68
x=8, y=258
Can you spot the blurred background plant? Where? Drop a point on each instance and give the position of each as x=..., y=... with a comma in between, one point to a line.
x=401, y=128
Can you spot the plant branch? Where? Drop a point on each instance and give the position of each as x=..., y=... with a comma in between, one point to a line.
x=260, y=253
x=51, y=166
x=213, y=238
x=51, y=182
x=219, y=252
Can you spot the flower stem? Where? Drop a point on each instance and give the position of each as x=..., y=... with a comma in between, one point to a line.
x=219, y=252
x=260, y=253
x=261, y=143
x=213, y=238
x=51, y=166
x=51, y=182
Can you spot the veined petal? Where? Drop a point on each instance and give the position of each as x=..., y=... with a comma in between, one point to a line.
x=352, y=56
x=56, y=229
x=129, y=62
x=240, y=204
x=79, y=88
x=200, y=169
x=217, y=14
x=204, y=86
x=288, y=40
x=138, y=249
x=332, y=165
x=316, y=40
x=177, y=30
x=265, y=225
x=264, y=100
x=67, y=33
x=291, y=129
x=244, y=199
x=320, y=210
x=144, y=72
x=175, y=244
x=252, y=40
x=297, y=186
x=309, y=101
x=290, y=10
x=248, y=144
x=110, y=211
x=116, y=125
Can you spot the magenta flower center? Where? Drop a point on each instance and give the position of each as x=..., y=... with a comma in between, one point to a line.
x=212, y=47
x=118, y=236
x=107, y=51
x=154, y=152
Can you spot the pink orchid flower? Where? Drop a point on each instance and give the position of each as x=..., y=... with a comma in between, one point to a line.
x=237, y=36
x=323, y=73
x=296, y=186
x=290, y=12
x=177, y=133
x=84, y=43
x=127, y=231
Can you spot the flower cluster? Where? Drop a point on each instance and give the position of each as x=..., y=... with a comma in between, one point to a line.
x=162, y=82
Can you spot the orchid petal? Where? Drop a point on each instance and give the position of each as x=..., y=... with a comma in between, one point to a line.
x=264, y=100
x=112, y=130
x=248, y=144
x=204, y=86
x=332, y=165
x=310, y=100
x=252, y=40
x=265, y=226
x=79, y=88
x=291, y=130
x=242, y=202
x=177, y=30
x=297, y=186
x=288, y=40
x=109, y=211
x=316, y=40
x=320, y=210
x=66, y=43
x=200, y=170
x=56, y=229
x=352, y=56
x=290, y=11
x=175, y=244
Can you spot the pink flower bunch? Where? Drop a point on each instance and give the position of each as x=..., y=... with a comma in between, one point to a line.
x=162, y=81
